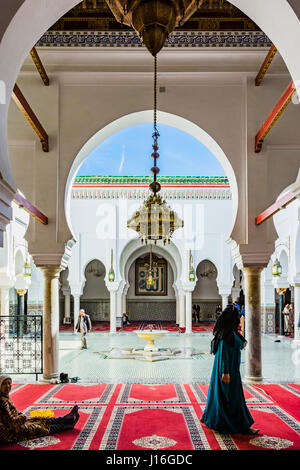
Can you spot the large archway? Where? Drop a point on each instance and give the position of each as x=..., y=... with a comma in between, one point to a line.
x=25, y=22
x=154, y=308
x=143, y=117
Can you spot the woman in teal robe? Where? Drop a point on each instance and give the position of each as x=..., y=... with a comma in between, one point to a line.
x=226, y=410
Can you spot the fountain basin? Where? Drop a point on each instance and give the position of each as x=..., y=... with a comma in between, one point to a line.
x=151, y=336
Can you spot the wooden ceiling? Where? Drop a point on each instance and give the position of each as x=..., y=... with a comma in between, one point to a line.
x=213, y=15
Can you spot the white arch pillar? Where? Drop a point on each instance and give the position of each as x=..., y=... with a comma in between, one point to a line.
x=296, y=312
x=188, y=312
x=224, y=292
x=76, y=308
x=188, y=289
x=5, y=300
x=113, y=288
x=67, y=312
x=181, y=302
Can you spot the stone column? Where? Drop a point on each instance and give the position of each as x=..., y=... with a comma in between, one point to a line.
x=76, y=308
x=253, y=323
x=119, y=309
x=267, y=306
x=188, y=312
x=181, y=298
x=296, y=313
x=5, y=300
x=281, y=292
x=235, y=293
x=113, y=312
x=177, y=310
x=67, y=312
x=224, y=301
x=124, y=303
x=51, y=322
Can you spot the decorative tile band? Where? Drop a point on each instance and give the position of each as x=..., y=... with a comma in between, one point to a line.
x=211, y=39
x=137, y=180
x=136, y=193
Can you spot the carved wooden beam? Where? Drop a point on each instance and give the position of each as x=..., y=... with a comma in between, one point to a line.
x=38, y=63
x=32, y=210
x=277, y=111
x=29, y=114
x=265, y=66
x=280, y=204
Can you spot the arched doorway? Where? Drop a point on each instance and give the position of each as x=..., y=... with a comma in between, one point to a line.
x=95, y=297
x=159, y=303
x=206, y=293
x=155, y=303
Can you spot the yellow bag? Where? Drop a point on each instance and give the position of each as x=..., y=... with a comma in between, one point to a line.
x=41, y=414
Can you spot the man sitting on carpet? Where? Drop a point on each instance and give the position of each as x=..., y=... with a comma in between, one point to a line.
x=16, y=427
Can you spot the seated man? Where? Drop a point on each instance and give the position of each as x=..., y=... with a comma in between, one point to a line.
x=125, y=320
x=194, y=313
x=15, y=426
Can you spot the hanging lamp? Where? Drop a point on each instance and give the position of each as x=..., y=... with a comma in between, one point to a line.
x=155, y=220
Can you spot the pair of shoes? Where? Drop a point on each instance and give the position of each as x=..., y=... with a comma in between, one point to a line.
x=73, y=411
x=83, y=348
x=253, y=431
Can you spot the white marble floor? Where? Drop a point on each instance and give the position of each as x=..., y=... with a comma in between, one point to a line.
x=280, y=360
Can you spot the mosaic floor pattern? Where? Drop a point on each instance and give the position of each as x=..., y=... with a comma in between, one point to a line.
x=158, y=417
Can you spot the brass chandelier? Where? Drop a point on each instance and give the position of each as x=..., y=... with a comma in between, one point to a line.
x=155, y=220
x=153, y=20
x=150, y=276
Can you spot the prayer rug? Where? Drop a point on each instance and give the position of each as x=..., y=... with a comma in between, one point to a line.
x=158, y=417
x=101, y=326
x=278, y=394
x=163, y=393
x=156, y=325
x=252, y=394
x=202, y=327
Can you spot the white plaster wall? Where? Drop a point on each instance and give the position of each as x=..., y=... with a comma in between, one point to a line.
x=287, y=247
x=86, y=102
x=95, y=288
x=100, y=225
x=21, y=28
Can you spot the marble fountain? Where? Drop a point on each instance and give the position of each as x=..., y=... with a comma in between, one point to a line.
x=151, y=352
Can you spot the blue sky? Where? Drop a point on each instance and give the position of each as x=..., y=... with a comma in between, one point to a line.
x=128, y=153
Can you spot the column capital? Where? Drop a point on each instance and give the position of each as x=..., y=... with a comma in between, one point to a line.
x=251, y=255
x=225, y=290
x=254, y=270
x=51, y=271
x=46, y=259
x=112, y=286
x=189, y=287
x=66, y=291
x=279, y=283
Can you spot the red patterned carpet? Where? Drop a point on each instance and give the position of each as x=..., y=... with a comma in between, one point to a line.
x=101, y=326
x=154, y=417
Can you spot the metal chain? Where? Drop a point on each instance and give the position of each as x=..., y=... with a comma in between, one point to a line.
x=155, y=94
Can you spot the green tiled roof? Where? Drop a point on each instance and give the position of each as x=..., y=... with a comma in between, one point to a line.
x=148, y=179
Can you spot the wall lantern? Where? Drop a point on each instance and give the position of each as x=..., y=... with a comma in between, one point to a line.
x=111, y=273
x=192, y=274
x=27, y=269
x=277, y=268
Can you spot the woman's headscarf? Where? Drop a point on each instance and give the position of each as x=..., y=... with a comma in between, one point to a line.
x=225, y=326
x=4, y=377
